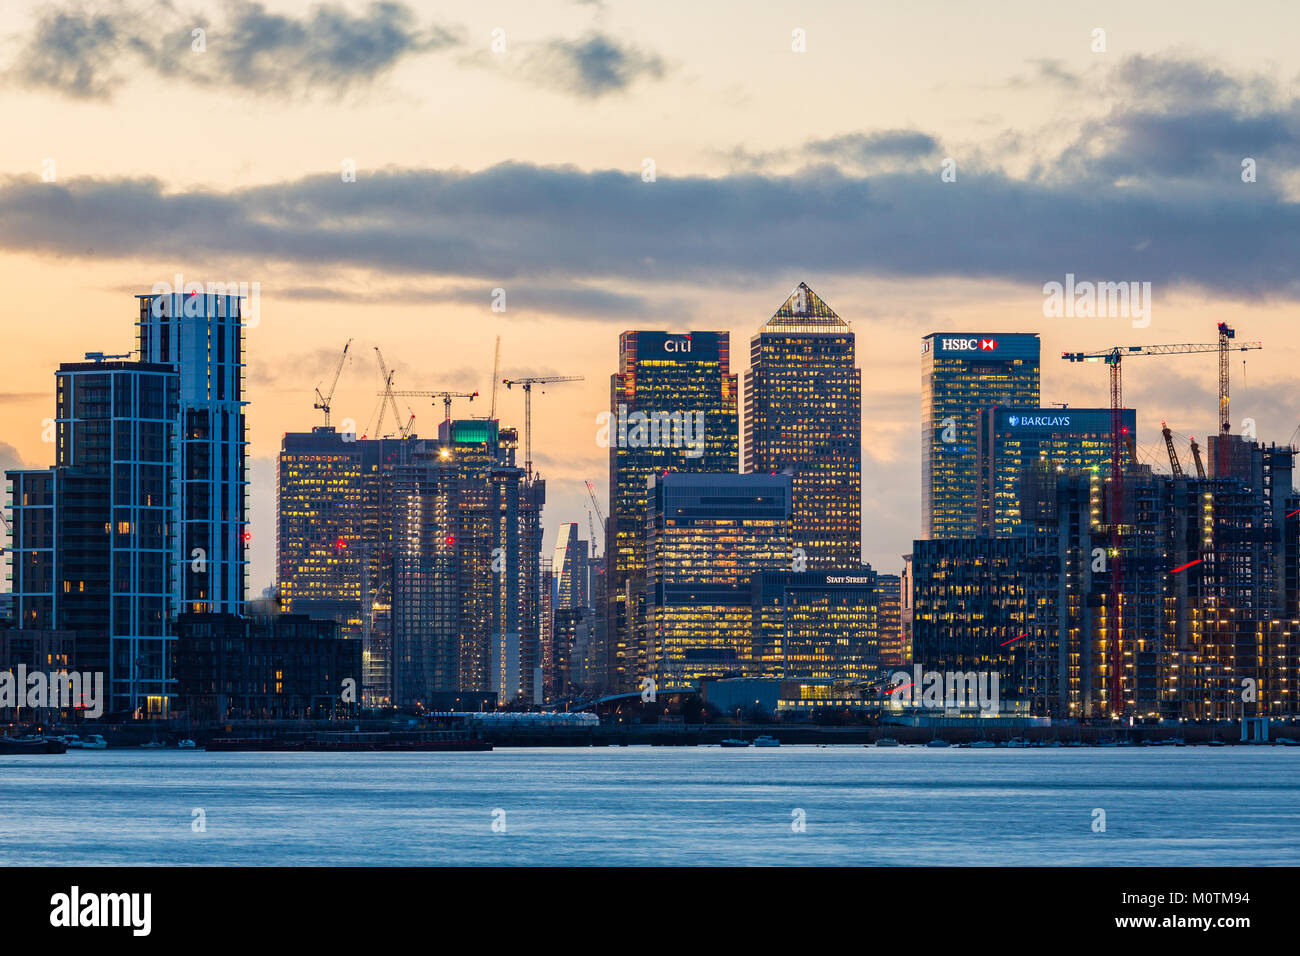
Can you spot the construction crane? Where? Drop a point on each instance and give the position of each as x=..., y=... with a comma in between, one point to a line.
x=1113, y=357
x=1173, y=455
x=527, y=385
x=496, y=371
x=430, y=393
x=1196, y=457
x=323, y=401
x=1226, y=334
x=591, y=493
x=388, y=401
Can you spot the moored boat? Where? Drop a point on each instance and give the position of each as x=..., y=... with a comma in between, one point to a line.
x=32, y=745
x=766, y=740
x=734, y=742
x=886, y=742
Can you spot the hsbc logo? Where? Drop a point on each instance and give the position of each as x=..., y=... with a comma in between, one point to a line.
x=969, y=345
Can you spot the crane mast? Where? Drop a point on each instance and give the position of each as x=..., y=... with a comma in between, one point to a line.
x=1113, y=358
x=1173, y=455
x=527, y=385
x=323, y=401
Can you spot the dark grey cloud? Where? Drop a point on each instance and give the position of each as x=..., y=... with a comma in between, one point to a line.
x=576, y=301
x=1112, y=210
x=861, y=148
x=875, y=151
x=1175, y=119
x=87, y=53
x=518, y=221
x=591, y=66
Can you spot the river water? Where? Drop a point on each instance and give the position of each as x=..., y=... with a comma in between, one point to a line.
x=841, y=805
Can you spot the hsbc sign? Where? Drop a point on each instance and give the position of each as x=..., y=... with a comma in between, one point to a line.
x=968, y=345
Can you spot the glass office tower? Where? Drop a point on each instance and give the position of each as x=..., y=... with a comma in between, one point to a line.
x=962, y=373
x=661, y=375
x=1010, y=439
x=803, y=417
x=707, y=537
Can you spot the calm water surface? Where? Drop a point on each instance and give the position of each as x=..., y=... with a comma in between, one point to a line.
x=644, y=805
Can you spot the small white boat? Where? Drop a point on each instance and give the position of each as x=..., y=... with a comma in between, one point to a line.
x=937, y=742
x=983, y=745
x=1017, y=742
x=185, y=744
x=1287, y=742
x=91, y=742
x=886, y=742
x=766, y=740
x=733, y=742
x=153, y=745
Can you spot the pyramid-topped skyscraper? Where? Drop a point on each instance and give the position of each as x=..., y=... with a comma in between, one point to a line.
x=803, y=416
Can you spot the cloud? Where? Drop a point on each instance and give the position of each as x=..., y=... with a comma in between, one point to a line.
x=517, y=221
x=567, y=301
x=860, y=148
x=560, y=237
x=591, y=66
x=88, y=55
x=9, y=458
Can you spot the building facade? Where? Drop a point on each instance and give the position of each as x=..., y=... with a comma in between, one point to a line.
x=200, y=336
x=673, y=408
x=962, y=373
x=823, y=625
x=707, y=536
x=803, y=417
x=1012, y=438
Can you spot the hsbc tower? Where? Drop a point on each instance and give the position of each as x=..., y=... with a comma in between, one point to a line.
x=961, y=373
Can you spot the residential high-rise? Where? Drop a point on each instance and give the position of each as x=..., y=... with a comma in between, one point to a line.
x=707, y=536
x=803, y=417
x=200, y=335
x=467, y=608
x=962, y=373
x=672, y=409
x=92, y=546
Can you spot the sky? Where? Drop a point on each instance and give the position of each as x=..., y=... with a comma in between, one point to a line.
x=923, y=166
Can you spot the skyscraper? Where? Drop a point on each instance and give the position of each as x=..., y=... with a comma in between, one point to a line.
x=961, y=373
x=1011, y=439
x=803, y=417
x=467, y=609
x=200, y=335
x=707, y=537
x=334, y=538
x=93, y=549
x=672, y=408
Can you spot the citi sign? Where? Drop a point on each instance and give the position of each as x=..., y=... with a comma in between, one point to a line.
x=969, y=345
x=677, y=345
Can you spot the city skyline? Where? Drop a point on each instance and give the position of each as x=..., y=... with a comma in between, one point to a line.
x=1044, y=130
